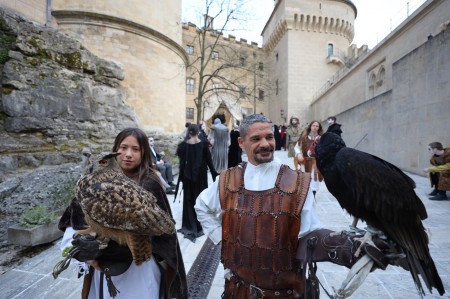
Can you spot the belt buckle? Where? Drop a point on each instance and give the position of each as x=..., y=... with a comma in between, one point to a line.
x=255, y=290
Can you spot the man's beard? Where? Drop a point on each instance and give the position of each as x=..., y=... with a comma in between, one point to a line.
x=264, y=159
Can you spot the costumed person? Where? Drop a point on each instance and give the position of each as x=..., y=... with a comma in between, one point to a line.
x=440, y=171
x=258, y=211
x=305, y=152
x=163, y=166
x=220, y=140
x=277, y=135
x=283, y=135
x=202, y=134
x=195, y=159
x=334, y=127
x=293, y=132
x=234, y=151
x=161, y=276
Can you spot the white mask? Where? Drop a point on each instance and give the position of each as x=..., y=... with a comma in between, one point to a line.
x=203, y=127
x=329, y=121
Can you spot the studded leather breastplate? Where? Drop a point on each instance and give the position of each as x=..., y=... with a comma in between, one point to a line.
x=260, y=228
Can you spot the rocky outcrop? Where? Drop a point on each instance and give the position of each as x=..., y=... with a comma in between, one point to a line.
x=56, y=98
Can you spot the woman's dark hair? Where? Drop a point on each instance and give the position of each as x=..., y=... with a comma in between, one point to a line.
x=308, y=130
x=193, y=130
x=142, y=139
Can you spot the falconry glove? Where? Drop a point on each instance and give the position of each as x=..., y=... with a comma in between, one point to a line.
x=88, y=247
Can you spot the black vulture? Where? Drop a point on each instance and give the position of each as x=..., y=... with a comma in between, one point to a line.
x=382, y=195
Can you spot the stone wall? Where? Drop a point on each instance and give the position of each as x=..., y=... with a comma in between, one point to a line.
x=400, y=123
x=398, y=94
x=145, y=37
x=56, y=98
x=35, y=10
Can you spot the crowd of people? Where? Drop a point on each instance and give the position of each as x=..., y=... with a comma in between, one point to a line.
x=221, y=210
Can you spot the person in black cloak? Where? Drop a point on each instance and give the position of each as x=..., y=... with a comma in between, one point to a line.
x=234, y=150
x=195, y=159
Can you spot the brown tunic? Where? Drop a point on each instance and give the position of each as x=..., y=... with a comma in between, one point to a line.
x=260, y=229
x=309, y=162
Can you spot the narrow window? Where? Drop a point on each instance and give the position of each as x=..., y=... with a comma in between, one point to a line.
x=214, y=55
x=190, y=49
x=261, y=66
x=276, y=87
x=190, y=85
x=190, y=113
x=242, y=91
x=261, y=95
x=330, y=50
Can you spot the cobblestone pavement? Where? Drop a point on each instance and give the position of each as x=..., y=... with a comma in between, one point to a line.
x=33, y=279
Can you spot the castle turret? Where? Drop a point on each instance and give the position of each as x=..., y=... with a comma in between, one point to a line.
x=145, y=36
x=306, y=41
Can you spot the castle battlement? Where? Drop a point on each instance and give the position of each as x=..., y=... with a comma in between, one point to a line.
x=190, y=27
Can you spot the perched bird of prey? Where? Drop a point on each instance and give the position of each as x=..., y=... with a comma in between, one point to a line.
x=383, y=196
x=117, y=208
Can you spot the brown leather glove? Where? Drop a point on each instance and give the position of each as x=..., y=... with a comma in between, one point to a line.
x=340, y=249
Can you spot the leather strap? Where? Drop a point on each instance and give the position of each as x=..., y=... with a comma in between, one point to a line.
x=256, y=292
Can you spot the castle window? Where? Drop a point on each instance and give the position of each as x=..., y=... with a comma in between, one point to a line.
x=241, y=61
x=242, y=91
x=261, y=66
x=190, y=113
x=261, y=95
x=276, y=57
x=330, y=50
x=276, y=87
x=214, y=55
x=190, y=49
x=190, y=85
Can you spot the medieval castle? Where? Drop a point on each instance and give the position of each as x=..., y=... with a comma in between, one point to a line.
x=395, y=97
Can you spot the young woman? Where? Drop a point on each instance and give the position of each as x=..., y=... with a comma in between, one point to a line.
x=305, y=152
x=195, y=157
x=163, y=275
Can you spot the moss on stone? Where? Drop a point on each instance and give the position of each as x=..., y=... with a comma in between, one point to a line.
x=3, y=56
x=6, y=44
x=70, y=60
x=7, y=89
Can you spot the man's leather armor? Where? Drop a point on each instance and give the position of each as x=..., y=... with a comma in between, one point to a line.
x=260, y=228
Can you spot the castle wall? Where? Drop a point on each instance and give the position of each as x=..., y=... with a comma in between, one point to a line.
x=35, y=10
x=161, y=16
x=248, y=75
x=146, y=42
x=405, y=107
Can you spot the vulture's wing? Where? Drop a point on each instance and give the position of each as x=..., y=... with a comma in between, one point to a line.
x=383, y=196
x=379, y=190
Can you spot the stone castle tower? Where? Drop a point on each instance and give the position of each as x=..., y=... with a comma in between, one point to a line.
x=145, y=36
x=306, y=42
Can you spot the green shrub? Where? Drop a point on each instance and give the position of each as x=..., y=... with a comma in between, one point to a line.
x=62, y=194
x=37, y=216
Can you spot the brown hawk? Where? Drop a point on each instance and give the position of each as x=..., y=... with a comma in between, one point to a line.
x=117, y=208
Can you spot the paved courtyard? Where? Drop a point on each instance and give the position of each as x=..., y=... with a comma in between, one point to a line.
x=33, y=279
